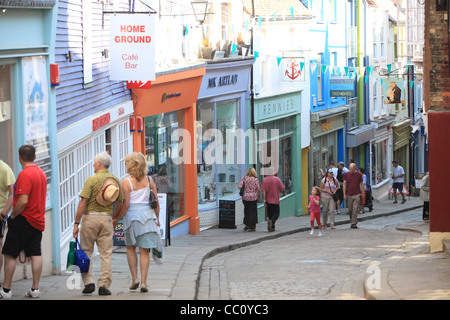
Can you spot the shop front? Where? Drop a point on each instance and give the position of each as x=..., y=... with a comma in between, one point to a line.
x=221, y=125
x=165, y=133
x=381, y=158
x=27, y=105
x=278, y=130
x=327, y=145
x=401, y=138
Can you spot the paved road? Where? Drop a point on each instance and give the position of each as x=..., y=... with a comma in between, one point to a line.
x=301, y=266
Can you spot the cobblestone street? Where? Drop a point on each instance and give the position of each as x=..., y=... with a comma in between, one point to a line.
x=301, y=266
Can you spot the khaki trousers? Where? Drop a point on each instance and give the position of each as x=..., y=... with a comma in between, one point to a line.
x=328, y=205
x=98, y=229
x=353, y=205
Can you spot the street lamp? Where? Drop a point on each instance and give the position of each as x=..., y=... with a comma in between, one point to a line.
x=200, y=8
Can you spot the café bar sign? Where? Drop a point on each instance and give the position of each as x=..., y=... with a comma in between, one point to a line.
x=132, y=44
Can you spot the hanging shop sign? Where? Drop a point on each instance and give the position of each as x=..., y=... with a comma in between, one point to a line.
x=132, y=44
x=393, y=91
x=292, y=69
x=342, y=86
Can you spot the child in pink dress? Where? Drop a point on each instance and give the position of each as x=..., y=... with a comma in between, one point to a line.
x=314, y=209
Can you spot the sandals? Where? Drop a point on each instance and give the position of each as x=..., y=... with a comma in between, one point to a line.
x=144, y=287
x=135, y=284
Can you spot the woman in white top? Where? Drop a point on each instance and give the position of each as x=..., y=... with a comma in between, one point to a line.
x=328, y=187
x=140, y=221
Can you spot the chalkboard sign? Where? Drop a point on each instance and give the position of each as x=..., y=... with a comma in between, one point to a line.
x=227, y=214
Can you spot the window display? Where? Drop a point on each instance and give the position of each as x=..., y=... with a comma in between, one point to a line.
x=219, y=179
x=6, y=123
x=160, y=146
x=379, y=162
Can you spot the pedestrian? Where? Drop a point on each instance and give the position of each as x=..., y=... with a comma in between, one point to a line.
x=7, y=180
x=314, y=209
x=363, y=200
x=26, y=222
x=353, y=190
x=271, y=187
x=95, y=213
x=328, y=188
x=399, y=179
x=425, y=196
x=339, y=192
x=250, y=197
x=140, y=221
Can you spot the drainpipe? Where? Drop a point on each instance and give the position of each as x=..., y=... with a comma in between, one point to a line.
x=360, y=64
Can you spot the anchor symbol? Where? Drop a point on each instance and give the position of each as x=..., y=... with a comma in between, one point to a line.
x=292, y=64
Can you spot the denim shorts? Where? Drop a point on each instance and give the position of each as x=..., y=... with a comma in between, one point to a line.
x=22, y=236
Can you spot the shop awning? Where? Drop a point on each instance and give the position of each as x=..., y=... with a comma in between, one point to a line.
x=360, y=135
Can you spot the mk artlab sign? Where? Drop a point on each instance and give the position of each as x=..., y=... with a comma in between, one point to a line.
x=132, y=41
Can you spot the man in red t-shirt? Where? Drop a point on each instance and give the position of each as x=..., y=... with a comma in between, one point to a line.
x=353, y=186
x=271, y=187
x=27, y=222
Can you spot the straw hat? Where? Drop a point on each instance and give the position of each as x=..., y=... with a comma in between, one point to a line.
x=108, y=192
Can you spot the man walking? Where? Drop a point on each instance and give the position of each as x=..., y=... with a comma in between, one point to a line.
x=353, y=187
x=7, y=181
x=399, y=178
x=95, y=211
x=271, y=187
x=26, y=223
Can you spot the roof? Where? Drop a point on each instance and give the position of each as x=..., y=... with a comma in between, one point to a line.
x=280, y=7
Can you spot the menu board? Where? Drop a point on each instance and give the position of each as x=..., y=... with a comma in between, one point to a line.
x=227, y=214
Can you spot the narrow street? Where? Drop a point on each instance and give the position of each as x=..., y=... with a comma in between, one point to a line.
x=302, y=266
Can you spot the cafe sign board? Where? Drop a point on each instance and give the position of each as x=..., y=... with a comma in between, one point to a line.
x=132, y=45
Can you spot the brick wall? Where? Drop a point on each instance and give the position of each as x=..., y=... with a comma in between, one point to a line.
x=436, y=59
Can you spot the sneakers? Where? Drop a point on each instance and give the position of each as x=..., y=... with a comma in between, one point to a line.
x=5, y=295
x=403, y=201
x=320, y=233
x=33, y=293
x=312, y=231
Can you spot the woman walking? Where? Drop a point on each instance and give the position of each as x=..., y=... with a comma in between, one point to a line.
x=328, y=188
x=250, y=197
x=140, y=221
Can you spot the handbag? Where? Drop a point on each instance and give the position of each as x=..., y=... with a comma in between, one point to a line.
x=158, y=252
x=82, y=261
x=152, y=198
x=335, y=196
x=242, y=190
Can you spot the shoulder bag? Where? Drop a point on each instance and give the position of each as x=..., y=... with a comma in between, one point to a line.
x=152, y=198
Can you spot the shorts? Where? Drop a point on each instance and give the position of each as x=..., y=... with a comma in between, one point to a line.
x=22, y=236
x=398, y=186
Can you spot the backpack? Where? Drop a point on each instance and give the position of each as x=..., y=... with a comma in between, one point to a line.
x=340, y=175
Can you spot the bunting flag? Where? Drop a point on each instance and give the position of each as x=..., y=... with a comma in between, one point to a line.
x=292, y=13
x=275, y=17
x=255, y=54
x=278, y=60
x=389, y=66
x=324, y=68
x=366, y=78
x=411, y=83
x=233, y=48
x=346, y=71
x=246, y=25
x=302, y=65
x=259, y=22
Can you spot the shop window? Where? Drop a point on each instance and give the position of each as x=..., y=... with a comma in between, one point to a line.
x=6, y=110
x=379, y=162
x=275, y=150
x=218, y=179
x=161, y=145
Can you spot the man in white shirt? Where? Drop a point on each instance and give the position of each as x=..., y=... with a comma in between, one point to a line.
x=398, y=176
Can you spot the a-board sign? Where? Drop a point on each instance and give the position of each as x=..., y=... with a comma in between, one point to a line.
x=227, y=214
x=118, y=235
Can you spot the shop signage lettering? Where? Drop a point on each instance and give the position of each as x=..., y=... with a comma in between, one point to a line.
x=277, y=107
x=222, y=81
x=166, y=96
x=101, y=121
x=132, y=47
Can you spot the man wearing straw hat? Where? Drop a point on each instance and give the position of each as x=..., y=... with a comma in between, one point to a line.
x=95, y=211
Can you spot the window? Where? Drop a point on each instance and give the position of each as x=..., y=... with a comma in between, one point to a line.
x=379, y=162
x=376, y=112
x=6, y=115
x=319, y=77
x=226, y=18
x=218, y=180
x=276, y=151
x=161, y=144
